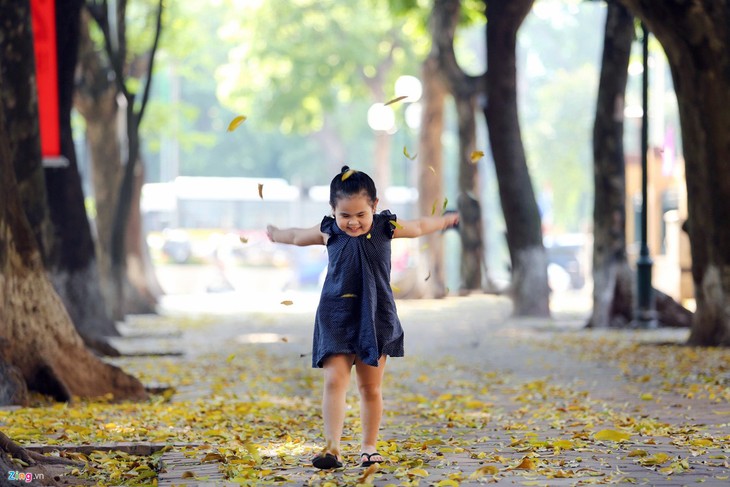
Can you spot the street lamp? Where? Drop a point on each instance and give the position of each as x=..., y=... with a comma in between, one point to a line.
x=645, y=315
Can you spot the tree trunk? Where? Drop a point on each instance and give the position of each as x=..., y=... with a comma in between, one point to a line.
x=74, y=270
x=96, y=99
x=38, y=336
x=529, y=287
x=613, y=302
x=465, y=90
x=695, y=37
x=430, y=280
x=19, y=98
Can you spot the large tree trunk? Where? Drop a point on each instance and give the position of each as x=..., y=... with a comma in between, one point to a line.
x=96, y=99
x=430, y=280
x=38, y=338
x=465, y=89
x=73, y=269
x=613, y=303
x=696, y=38
x=529, y=287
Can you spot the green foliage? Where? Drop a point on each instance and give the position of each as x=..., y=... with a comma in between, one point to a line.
x=295, y=61
x=560, y=52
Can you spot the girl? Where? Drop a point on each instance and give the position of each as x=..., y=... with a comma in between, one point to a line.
x=356, y=321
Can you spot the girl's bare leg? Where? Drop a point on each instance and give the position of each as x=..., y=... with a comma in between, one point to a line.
x=369, y=381
x=336, y=381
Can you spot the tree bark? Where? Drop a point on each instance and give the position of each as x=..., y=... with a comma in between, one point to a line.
x=613, y=301
x=74, y=270
x=529, y=287
x=430, y=279
x=696, y=39
x=38, y=337
x=464, y=89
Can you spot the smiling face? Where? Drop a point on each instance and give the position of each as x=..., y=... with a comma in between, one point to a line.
x=354, y=214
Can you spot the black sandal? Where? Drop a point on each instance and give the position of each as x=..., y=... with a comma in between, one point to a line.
x=369, y=456
x=326, y=461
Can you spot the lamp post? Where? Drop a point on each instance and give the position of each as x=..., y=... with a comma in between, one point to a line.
x=645, y=315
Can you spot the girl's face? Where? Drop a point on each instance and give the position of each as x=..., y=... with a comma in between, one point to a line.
x=354, y=214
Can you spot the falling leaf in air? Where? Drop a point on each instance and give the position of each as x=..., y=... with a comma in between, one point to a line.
x=349, y=295
x=285, y=339
x=287, y=302
x=369, y=236
x=405, y=153
x=446, y=202
x=261, y=191
x=394, y=100
x=396, y=224
x=236, y=122
x=432, y=169
x=433, y=208
x=348, y=173
x=243, y=239
x=476, y=155
x=428, y=277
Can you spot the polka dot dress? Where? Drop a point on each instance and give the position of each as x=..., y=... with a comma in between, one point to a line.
x=356, y=312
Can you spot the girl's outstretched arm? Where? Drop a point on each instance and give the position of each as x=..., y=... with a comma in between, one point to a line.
x=296, y=236
x=425, y=225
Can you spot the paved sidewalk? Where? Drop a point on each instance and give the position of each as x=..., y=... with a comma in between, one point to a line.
x=482, y=398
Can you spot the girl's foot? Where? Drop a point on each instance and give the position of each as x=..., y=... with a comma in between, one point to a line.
x=326, y=461
x=368, y=459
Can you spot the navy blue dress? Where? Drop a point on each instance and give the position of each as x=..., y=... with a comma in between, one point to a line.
x=356, y=312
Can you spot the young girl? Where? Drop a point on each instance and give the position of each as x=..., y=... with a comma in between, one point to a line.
x=356, y=321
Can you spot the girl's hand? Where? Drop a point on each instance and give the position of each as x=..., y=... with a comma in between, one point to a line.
x=270, y=229
x=451, y=219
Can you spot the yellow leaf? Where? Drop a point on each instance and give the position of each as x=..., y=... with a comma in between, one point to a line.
x=655, y=459
x=261, y=191
x=432, y=169
x=394, y=100
x=287, y=302
x=701, y=442
x=418, y=472
x=446, y=202
x=348, y=173
x=638, y=453
x=476, y=155
x=368, y=474
x=647, y=396
x=369, y=236
x=230, y=358
x=447, y=482
x=405, y=153
x=236, y=122
x=213, y=457
x=395, y=289
x=433, y=208
x=612, y=435
x=349, y=296
x=485, y=470
x=526, y=464
x=396, y=224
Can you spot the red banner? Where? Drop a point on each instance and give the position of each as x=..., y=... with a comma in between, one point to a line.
x=46, y=62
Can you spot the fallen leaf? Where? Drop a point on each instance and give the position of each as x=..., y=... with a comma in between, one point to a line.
x=396, y=99
x=368, y=474
x=612, y=435
x=236, y=122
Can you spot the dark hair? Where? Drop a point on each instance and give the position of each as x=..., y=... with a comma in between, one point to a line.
x=350, y=182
